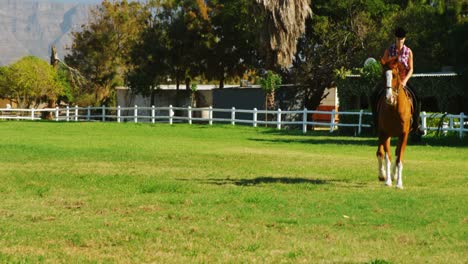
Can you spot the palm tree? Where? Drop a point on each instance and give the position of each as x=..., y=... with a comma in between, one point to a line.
x=285, y=22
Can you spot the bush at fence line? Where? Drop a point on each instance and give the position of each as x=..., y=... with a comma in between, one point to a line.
x=436, y=120
x=354, y=119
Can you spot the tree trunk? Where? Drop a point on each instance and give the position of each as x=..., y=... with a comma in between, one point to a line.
x=221, y=83
x=152, y=96
x=193, y=99
x=48, y=115
x=271, y=100
x=187, y=83
x=269, y=103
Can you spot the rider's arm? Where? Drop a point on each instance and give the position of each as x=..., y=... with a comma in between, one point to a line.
x=386, y=59
x=410, y=70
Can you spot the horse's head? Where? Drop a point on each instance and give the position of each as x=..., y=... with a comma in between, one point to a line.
x=393, y=83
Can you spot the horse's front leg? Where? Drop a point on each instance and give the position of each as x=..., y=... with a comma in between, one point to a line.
x=388, y=161
x=382, y=159
x=394, y=165
x=403, y=139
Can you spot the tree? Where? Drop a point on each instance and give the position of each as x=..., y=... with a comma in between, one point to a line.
x=285, y=24
x=150, y=54
x=101, y=50
x=269, y=83
x=341, y=34
x=29, y=82
x=172, y=46
x=235, y=48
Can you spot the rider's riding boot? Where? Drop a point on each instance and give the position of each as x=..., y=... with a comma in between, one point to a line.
x=416, y=124
x=416, y=129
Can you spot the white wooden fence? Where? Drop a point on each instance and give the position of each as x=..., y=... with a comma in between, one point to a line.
x=172, y=114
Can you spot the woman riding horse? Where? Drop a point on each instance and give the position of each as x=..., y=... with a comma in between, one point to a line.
x=402, y=56
x=394, y=120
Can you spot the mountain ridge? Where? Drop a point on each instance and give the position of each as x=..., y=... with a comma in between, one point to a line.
x=30, y=27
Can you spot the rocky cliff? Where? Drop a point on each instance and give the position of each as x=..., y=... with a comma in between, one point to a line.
x=31, y=27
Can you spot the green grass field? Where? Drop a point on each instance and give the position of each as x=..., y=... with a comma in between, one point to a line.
x=139, y=193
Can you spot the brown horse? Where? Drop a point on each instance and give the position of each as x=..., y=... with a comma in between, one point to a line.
x=394, y=110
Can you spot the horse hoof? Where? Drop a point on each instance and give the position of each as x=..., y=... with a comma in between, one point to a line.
x=382, y=178
x=388, y=184
x=400, y=187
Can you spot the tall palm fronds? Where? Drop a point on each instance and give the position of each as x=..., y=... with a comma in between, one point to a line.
x=285, y=22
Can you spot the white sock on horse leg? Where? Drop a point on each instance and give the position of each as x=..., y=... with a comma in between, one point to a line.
x=381, y=168
x=389, y=76
x=400, y=175
x=388, y=166
x=394, y=170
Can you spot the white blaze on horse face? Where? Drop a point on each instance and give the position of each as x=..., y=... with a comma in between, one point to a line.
x=388, y=91
x=389, y=96
x=389, y=76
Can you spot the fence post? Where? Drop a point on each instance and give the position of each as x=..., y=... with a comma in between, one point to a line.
x=76, y=113
x=332, y=121
x=170, y=114
x=255, y=115
x=189, y=113
x=360, y=122
x=88, y=114
x=32, y=113
x=153, y=114
x=57, y=113
x=424, y=122
x=210, y=115
x=444, y=125
x=304, y=121
x=118, y=114
x=462, y=123
x=233, y=116
x=451, y=122
x=103, y=113
x=278, y=119
x=68, y=113
x=135, y=114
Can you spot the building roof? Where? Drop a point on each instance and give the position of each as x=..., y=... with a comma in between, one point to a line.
x=182, y=87
x=418, y=75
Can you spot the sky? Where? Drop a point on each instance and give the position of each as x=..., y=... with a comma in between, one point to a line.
x=77, y=1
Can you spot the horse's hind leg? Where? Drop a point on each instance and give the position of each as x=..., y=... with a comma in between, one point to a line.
x=380, y=160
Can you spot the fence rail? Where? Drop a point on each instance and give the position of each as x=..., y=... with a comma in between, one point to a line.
x=170, y=114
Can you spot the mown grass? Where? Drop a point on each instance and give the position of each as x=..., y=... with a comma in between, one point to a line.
x=132, y=193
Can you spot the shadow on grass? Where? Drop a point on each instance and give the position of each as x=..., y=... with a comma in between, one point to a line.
x=324, y=137
x=445, y=141
x=274, y=180
x=266, y=180
x=321, y=141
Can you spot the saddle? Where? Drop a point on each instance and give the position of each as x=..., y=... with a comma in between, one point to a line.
x=381, y=98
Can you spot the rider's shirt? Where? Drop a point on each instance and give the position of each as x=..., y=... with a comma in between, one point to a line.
x=403, y=56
